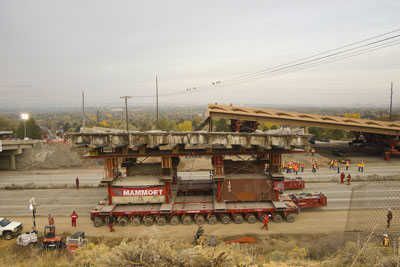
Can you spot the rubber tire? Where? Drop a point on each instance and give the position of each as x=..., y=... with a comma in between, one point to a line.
x=238, y=219
x=8, y=236
x=277, y=218
x=225, y=219
x=123, y=221
x=161, y=221
x=251, y=219
x=148, y=221
x=187, y=220
x=212, y=220
x=262, y=217
x=136, y=221
x=290, y=218
x=174, y=220
x=98, y=221
x=200, y=220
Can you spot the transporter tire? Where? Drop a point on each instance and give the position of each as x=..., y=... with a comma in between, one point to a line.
x=148, y=221
x=225, y=219
x=123, y=221
x=212, y=220
x=135, y=221
x=238, y=219
x=251, y=219
x=187, y=220
x=200, y=220
x=161, y=221
x=277, y=218
x=98, y=221
x=174, y=220
x=290, y=218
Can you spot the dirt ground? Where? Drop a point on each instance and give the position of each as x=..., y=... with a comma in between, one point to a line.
x=307, y=222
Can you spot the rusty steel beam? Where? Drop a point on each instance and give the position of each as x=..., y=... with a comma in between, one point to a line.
x=303, y=119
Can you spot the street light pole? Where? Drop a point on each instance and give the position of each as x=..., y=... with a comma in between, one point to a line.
x=24, y=117
x=126, y=111
x=32, y=207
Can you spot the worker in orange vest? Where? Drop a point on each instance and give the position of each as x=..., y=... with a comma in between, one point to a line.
x=347, y=165
x=265, y=222
x=302, y=167
x=74, y=216
x=385, y=241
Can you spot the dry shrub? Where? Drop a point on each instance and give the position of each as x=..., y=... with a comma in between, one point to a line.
x=324, y=246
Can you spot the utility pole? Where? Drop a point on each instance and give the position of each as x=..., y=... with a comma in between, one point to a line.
x=83, y=109
x=126, y=111
x=391, y=98
x=156, y=103
x=97, y=117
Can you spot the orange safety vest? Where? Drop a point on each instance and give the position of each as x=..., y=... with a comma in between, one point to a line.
x=385, y=242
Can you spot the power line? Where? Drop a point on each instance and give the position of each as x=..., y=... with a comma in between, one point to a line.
x=306, y=62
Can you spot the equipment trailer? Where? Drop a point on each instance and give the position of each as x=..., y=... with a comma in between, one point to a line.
x=235, y=190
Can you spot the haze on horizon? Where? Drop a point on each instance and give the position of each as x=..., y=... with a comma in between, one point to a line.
x=52, y=50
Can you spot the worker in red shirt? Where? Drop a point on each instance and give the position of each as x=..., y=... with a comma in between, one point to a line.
x=110, y=223
x=74, y=216
x=342, y=175
x=265, y=222
x=51, y=220
x=348, y=179
x=389, y=217
x=77, y=182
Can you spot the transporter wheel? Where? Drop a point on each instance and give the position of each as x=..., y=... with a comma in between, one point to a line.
x=148, y=221
x=174, y=220
x=200, y=220
x=123, y=221
x=225, y=219
x=251, y=219
x=238, y=219
x=98, y=221
x=277, y=218
x=290, y=217
x=187, y=220
x=135, y=221
x=212, y=220
x=161, y=221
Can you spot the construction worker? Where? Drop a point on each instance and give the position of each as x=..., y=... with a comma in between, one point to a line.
x=385, y=241
x=342, y=176
x=290, y=166
x=348, y=179
x=331, y=164
x=51, y=220
x=347, y=165
x=389, y=217
x=312, y=151
x=302, y=167
x=74, y=216
x=362, y=166
x=110, y=223
x=338, y=167
x=335, y=165
x=265, y=222
x=296, y=168
x=77, y=182
x=359, y=166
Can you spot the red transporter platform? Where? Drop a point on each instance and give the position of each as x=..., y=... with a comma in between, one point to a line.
x=294, y=183
x=153, y=193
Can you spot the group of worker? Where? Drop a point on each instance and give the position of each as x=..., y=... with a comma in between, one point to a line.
x=293, y=167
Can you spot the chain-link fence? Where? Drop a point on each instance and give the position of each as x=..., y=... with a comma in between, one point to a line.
x=367, y=220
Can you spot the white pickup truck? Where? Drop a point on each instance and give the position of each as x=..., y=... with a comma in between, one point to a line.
x=9, y=229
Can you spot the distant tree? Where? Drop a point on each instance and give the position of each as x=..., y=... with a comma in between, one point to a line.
x=166, y=125
x=6, y=125
x=184, y=126
x=335, y=134
x=317, y=132
x=104, y=124
x=221, y=125
x=33, y=130
x=66, y=127
x=274, y=127
x=196, y=122
x=353, y=115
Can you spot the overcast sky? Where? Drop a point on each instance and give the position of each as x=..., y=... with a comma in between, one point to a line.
x=52, y=50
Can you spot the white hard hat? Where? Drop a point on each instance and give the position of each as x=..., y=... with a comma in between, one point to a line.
x=389, y=209
x=385, y=235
